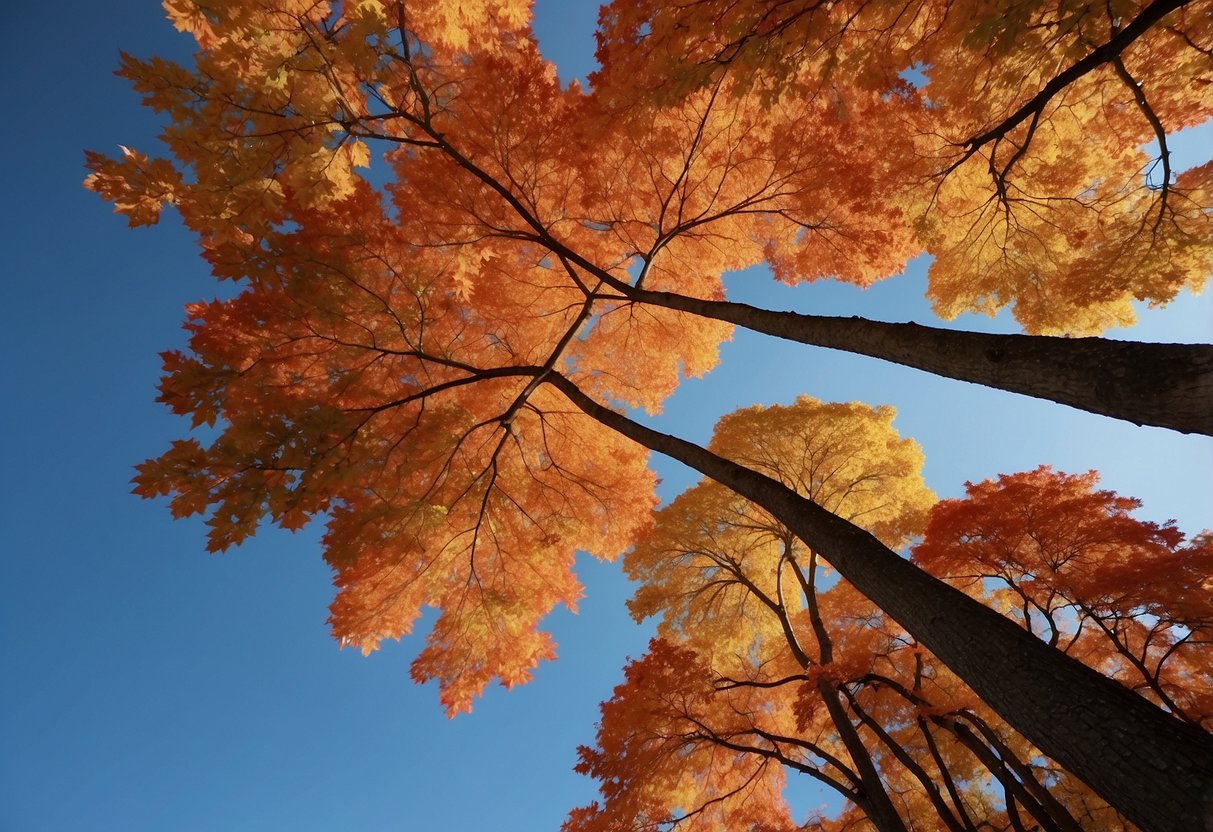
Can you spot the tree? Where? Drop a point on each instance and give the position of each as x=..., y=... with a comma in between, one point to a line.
x=426, y=365
x=1149, y=384
x=683, y=743
x=760, y=672
x=1016, y=217
x=1013, y=229
x=714, y=564
x=1074, y=568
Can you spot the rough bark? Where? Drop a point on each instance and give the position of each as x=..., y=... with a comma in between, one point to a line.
x=1154, y=769
x=1166, y=385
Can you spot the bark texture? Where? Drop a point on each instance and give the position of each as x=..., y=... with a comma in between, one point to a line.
x=1166, y=385
x=1154, y=769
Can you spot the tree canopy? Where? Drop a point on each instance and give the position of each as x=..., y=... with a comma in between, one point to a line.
x=435, y=354
x=765, y=669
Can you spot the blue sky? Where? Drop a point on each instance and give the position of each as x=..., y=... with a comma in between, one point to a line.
x=149, y=686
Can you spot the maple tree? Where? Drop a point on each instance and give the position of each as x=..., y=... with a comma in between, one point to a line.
x=1032, y=168
x=1027, y=103
x=1126, y=596
x=692, y=741
x=1147, y=383
x=736, y=585
x=759, y=672
x=426, y=364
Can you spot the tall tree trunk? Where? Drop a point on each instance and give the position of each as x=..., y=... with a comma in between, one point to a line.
x=1154, y=769
x=1168, y=385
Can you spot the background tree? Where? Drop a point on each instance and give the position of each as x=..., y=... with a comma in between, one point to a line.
x=759, y=667
x=1070, y=563
x=736, y=586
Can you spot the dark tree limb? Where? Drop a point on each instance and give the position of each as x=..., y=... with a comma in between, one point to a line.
x=1166, y=385
x=1106, y=52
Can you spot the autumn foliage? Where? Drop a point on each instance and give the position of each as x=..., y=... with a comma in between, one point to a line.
x=438, y=367
x=1030, y=123
x=757, y=677
x=381, y=365
x=1072, y=564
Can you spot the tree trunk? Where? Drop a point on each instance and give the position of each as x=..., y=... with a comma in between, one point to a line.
x=1154, y=769
x=1167, y=385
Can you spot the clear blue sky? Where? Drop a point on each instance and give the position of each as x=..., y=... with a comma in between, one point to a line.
x=148, y=686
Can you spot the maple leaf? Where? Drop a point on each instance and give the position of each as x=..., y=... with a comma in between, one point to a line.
x=138, y=186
